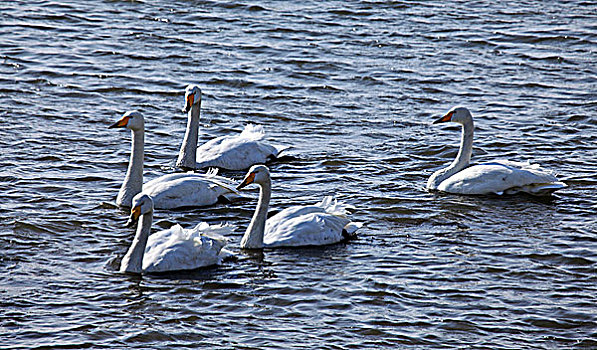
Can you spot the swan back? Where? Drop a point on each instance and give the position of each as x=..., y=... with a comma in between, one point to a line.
x=187, y=190
x=237, y=152
x=502, y=177
x=323, y=223
x=185, y=249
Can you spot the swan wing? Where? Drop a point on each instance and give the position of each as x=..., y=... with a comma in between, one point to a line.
x=302, y=226
x=190, y=190
x=185, y=249
x=236, y=152
x=500, y=177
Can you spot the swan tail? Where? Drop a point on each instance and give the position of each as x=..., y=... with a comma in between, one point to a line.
x=544, y=189
x=232, y=196
x=215, y=233
x=224, y=254
x=280, y=149
x=227, y=187
x=253, y=132
x=352, y=227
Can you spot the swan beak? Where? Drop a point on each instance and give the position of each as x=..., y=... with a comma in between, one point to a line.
x=189, y=103
x=445, y=118
x=247, y=181
x=135, y=213
x=121, y=123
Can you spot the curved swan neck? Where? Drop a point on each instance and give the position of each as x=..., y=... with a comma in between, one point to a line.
x=133, y=260
x=188, y=150
x=133, y=180
x=253, y=238
x=462, y=159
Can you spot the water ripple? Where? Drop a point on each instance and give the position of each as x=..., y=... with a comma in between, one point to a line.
x=353, y=88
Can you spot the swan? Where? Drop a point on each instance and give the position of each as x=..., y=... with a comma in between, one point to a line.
x=237, y=152
x=499, y=177
x=173, y=249
x=168, y=191
x=323, y=223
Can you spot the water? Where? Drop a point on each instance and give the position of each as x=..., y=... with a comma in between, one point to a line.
x=353, y=88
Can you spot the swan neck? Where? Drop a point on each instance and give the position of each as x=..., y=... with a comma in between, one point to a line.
x=463, y=158
x=133, y=180
x=133, y=260
x=461, y=161
x=253, y=238
x=188, y=150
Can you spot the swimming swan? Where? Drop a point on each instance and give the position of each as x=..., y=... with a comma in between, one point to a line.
x=173, y=249
x=323, y=223
x=499, y=177
x=237, y=152
x=168, y=191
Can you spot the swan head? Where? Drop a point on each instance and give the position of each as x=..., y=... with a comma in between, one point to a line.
x=142, y=204
x=131, y=120
x=258, y=174
x=192, y=96
x=459, y=115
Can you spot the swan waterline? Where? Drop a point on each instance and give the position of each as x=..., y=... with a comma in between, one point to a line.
x=307, y=225
x=496, y=177
x=172, y=190
x=232, y=152
x=173, y=249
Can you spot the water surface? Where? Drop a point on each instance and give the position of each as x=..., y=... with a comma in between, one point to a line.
x=353, y=88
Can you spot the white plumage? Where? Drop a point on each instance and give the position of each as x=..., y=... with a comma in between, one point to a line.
x=178, y=248
x=173, y=249
x=319, y=224
x=237, y=152
x=323, y=223
x=188, y=190
x=168, y=191
x=232, y=152
x=499, y=177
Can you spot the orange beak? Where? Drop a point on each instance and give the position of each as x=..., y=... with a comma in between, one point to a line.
x=135, y=213
x=445, y=118
x=247, y=181
x=189, y=103
x=120, y=124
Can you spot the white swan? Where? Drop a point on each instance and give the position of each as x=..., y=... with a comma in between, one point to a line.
x=237, y=152
x=323, y=223
x=173, y=249
x=168, y=191
x=499, y=177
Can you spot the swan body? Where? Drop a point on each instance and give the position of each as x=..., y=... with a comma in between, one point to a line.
x=173, y=249
x=237, y=152
x=497, y=177
x=168, y=191
x=323, y=223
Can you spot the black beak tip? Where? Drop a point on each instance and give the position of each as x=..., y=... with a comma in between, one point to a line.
x=439, y=120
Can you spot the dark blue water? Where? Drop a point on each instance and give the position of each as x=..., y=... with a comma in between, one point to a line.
x=353, y=87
